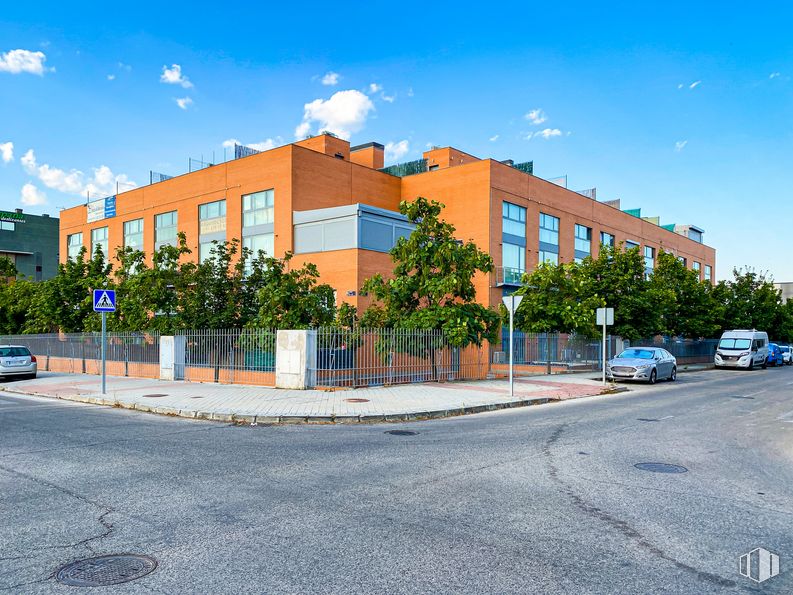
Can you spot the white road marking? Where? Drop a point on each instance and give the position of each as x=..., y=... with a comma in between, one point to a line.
x=667, y=417
x=765, y=390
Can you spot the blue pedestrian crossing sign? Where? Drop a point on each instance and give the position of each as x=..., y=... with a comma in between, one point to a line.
x=104, y=300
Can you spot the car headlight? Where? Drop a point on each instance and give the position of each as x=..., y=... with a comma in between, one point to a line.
x=744, y=354
x=644, y=366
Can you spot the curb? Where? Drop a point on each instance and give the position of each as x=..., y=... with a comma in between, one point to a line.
x=246, y=419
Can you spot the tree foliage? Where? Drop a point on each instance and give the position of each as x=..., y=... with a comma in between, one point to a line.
x=432, y=286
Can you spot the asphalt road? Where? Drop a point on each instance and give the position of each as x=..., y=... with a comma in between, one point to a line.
x=544, y=499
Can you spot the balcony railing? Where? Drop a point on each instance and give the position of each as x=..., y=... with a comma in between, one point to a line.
x=508, y=276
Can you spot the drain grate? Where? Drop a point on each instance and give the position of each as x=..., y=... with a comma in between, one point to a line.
x=106, y=570
x=401, y=432
x=154, y=396
x=357, y=400
x=661, y=467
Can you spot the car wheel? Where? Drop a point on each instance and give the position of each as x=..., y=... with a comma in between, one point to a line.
x=751, y=365
x=653, y=376
x=673, y=374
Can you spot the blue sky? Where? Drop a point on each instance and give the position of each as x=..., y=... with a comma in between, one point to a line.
x=685, y=111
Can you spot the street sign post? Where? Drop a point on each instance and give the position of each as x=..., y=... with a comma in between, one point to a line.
x=511, y=302
x=604, y=317
x=104, y=302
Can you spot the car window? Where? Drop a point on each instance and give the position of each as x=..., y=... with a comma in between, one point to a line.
x=736, y=343
x=638, y=353
x=14, y=351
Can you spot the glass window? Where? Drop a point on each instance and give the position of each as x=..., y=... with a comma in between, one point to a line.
x=549, y=229
x=513, y=256
x=204, y=251
x=165, y=228
x=583, y=239
x=264, y=242
x=133, y=234
x=708, y=272
x=513, y=220
x=649, y=257
x=606, y=239
x=74, y=243
x=695, y=266
x=7, y=225
x=257, y=208
x=212, y=217
x=552, y=257
x=629, y=245
x=99, y=238
x=683, y=260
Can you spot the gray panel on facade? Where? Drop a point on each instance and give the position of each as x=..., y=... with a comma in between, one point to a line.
x=339, y=234
x=308, y=238
x=257, y=230
x=508, y=238
x=545, y=247
x=219, y=236
x=376, y=235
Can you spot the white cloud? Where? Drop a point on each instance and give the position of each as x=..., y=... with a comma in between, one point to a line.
x=7, y=152
x=102, y=182
x=17, y=61
x=493, y=138
x=375, y=88
x=174, y=76
x=343, y=114
x=32, y=196
x=123, y=66
x=111, y=77
x=695, y=84
x=330, y=79
x=395, y=151
x=680, y=145
x=680, y=86
x=410, y=91
x=546, y=133
x=774, y=75
x=265, y=145
x=183, y=102
x=388, y=98
x=536, y=116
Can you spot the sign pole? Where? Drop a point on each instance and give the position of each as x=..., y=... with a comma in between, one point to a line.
x=511, y=346
x=104, y=347
x=604, y=351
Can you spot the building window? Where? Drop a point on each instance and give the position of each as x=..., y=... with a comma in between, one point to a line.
x=133, y=234
x=708, y=273
x=264, y=242
x=165, y=229
x=606, y=239
x=74, y=243
x=683, y=260
x=99, y=238
x=583, y=242
x=696, y=266
x=549, y=239
x=695, y=234
x=257, y=208
x=649, y=258
x=630, y=245
x=514, y=262
x=211, y=227
x=7, y=226
x=513, y=247
x=513, y=220
x=552, y=257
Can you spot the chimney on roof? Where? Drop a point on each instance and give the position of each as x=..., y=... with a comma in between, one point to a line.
x=18, y=210
x=369, y=155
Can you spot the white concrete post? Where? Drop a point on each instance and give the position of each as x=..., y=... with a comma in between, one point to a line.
x=172, y=357
x=296, y=359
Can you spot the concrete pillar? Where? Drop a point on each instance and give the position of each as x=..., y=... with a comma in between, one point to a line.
x=296, y=359
x=172, y=357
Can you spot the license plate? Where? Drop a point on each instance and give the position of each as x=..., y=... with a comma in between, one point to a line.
x=10, y=363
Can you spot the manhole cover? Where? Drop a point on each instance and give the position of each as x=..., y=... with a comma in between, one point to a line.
x=106, y=570
x=154, y=396
x=357, y=400
x=661, y=467
x=401, y=432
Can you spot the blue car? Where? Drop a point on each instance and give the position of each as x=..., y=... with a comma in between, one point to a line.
x=774, y=355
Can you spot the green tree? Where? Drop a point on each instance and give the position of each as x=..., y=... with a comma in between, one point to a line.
x=432, y=285
x=749, y=300
x=292, y=298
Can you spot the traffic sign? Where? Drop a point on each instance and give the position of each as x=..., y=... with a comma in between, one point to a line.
x=104, y=300
x=512, y=302
x=604, y=316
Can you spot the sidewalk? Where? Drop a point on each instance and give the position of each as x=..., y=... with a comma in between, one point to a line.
x=253, y=404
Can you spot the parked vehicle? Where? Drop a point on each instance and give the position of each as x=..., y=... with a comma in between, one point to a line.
x=642, y=363
x=16, y=360
x=774, y=355
x=742, y=349
x=787, y=354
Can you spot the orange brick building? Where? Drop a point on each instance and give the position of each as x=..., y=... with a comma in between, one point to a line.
x=335, y=205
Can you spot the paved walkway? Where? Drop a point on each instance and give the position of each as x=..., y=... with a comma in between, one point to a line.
x=253, y=404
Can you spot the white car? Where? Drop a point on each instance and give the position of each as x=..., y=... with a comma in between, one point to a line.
x=642, y=363
x=16, y=360
x=787, y=354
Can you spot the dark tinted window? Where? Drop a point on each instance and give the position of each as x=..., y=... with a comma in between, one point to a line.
x=14, y=351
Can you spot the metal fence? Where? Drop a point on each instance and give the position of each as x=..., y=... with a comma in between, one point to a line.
x=238, y=356
x=686, y=351
x=372, y=357
x=549, y=353
x=128, y=354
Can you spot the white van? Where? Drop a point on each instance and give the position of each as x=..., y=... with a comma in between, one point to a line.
x=742, y=349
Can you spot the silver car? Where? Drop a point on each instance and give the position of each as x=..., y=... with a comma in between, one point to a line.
x=16, y=360
x=642, y=363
